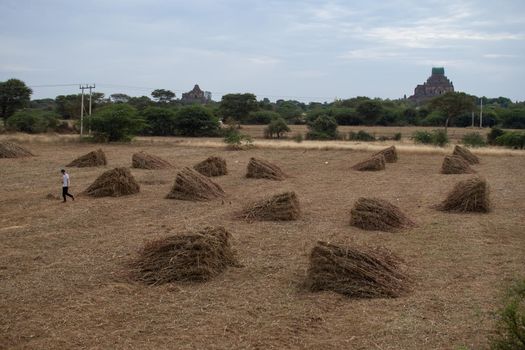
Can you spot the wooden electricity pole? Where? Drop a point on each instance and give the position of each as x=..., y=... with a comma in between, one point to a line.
x=84, y=87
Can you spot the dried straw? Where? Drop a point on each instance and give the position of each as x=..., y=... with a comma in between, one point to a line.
x=280, y=207
x=389, y=153
x=465, y=154
x=262, y=169
x=12, y=150
x=378, y=214
x=356, y=272
x=456, y=165
x=193, y=186
x=212, y=166
x=143, y=160
x=113, y=183
x=471, y=195
x=91, y=159
x=197, y=256
x=374, y=163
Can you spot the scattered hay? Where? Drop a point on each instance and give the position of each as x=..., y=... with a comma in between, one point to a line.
x=93, y=158
x=471, y=195
x=262, y=169
x=213, y=166
x=196, y=256
x=355, y=272
x=12, y=150
x=193, y=186
x=280, y=207
x=378, y=214
x=144, y=160
x=113, y=183
x=456, y=165
x=374, y=163
x=389, y=153
x=465, y=153
x=51, y=196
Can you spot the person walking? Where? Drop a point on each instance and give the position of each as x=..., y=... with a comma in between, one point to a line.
x=65, y=185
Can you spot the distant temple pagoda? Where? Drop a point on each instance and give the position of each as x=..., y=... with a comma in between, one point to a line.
x=196, y=96
x=436, y=85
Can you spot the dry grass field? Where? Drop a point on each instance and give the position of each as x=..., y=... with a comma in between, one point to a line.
x=63, y=267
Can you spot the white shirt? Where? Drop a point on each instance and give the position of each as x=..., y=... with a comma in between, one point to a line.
x=65, y=180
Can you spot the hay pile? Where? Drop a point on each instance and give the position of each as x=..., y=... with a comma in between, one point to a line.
x=456, y=165
x=193, y=186
x=471, y=195
x=389, y=153
x=280, y=207
x=261, y=169
x=196, y=256
x=374, y=163
x=12, y=150
x=51, y=196
x=213, y=166
x=93, y=158
x=355, y=272
x=465, y=154
x=378, y=214
x=144, y=160
x=113, y=183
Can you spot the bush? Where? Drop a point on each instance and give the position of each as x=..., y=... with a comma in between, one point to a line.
x=298, y=137
x=514, y=118
x=473, y=139
x=346, y=116
x=433, y=119
x=117, y=122
x=261, y=117
x=196, y=121
x=397, y=136
x=493, y=135
x=360, y=136
x=161, y=121
x=323, y=127
x=510, y=329
x=436, y=137
x=237, y=141
x=276, y=127
x=512, y=139
x=32, y=121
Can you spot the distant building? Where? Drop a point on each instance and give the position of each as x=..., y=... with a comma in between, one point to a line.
x=196, y=95
x=436, y=85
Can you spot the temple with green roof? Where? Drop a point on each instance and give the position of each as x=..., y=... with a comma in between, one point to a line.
x=435, y=85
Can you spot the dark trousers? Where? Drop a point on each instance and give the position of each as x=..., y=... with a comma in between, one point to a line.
x=66, y=193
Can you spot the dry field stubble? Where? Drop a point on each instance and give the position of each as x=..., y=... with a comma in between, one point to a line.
x=63, y=277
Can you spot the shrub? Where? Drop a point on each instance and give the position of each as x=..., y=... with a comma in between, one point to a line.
x=439, y=138
x=276, y=127
x=261, y=117
x=473, y=139
x=436, y=137
x=397, y=136
x=512, y=139
x=361, y=135
x=423, y=137
x=196, y=121
x=493, y=135
x=117, y=122
x=235, y=140
x=298, y=137
x=323, y=127
x=32, y=121
x=510, y=329
x=161, y=121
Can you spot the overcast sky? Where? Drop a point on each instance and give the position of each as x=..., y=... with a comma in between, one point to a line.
x=305, y=50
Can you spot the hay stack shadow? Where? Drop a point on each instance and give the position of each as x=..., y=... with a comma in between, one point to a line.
x=374, y=163
x=113, y=183
x=280, y=207
x=262, y=169
x=193, y=186
x=471, y=195
x=356, y=272
x=456, y=165
x=143, y=160
x=466, y=154
x=91, y=159
x=377, y=214
x=389, y=153
x=196, y=257
x=212, y=166
x=12, y=150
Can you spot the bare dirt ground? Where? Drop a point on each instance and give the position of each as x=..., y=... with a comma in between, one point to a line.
x=63, y=266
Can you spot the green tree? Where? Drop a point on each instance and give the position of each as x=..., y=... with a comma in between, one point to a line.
x=276, y=127
x=452, y=104
x=370, y=111
x=161, y=121
x=291, y=110
x=119, y=98
x=68, y=106
x=196, y=120
x=324, y=127
x=118, y=122
x=237, y=106
x=140, y=103
x=163, y=96
x=32, y=121
x=261, y=117
x=14, y=94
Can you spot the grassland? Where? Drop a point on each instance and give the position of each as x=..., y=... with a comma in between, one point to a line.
x=63, y=280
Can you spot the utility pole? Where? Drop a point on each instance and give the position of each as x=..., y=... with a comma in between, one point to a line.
x=84, y=87
x=90, y=88
x=472, y=118
x=481, y=114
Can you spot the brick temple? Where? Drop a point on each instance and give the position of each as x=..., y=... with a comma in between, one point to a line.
x=435, y=85
x=196, y=95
